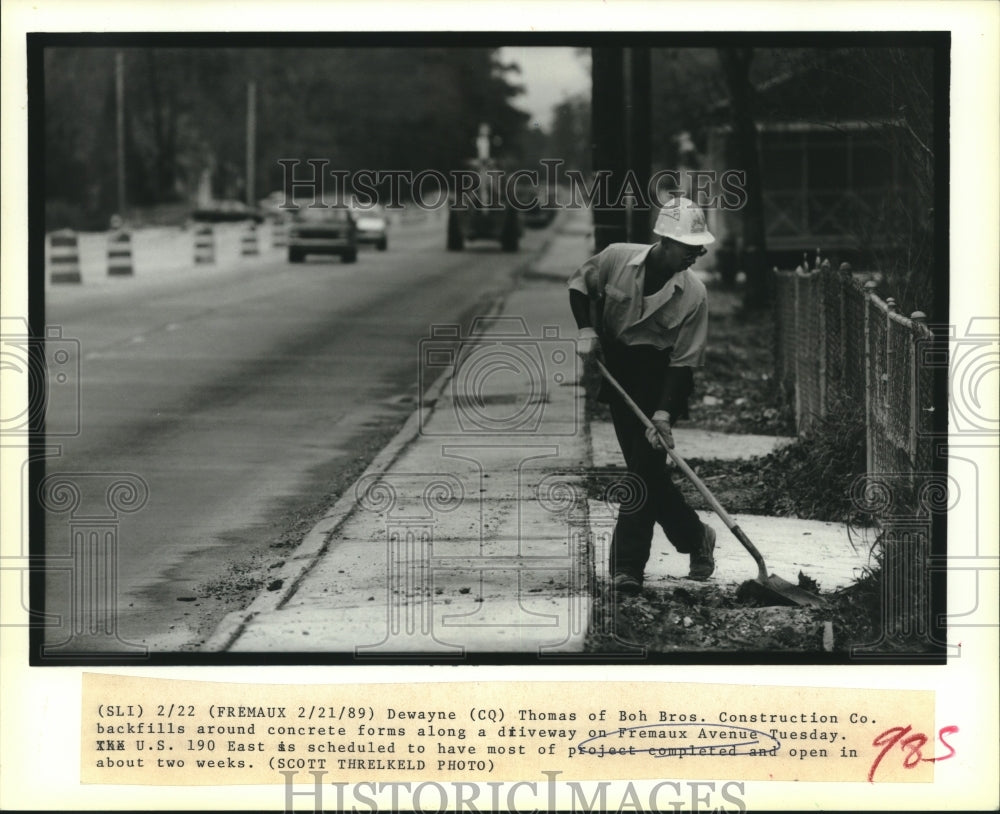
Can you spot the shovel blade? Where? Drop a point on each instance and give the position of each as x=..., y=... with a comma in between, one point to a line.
x=794, y=593
x=777, y=591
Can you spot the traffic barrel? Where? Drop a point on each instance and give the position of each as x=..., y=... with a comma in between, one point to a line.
x=204, y=245
x=279, y=234
x=64, y=257
x=248, y=243
x=120, y=254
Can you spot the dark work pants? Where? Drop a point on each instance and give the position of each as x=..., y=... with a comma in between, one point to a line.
x=659, y=501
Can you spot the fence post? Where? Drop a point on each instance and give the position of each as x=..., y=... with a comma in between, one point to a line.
x=798, y=354
x=842, y=281
x=919, y=319
x=776, y=336
x=890, y=326
x=824, y=267
x=869, y=445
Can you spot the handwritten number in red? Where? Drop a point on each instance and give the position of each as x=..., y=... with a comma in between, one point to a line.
x=911, y=745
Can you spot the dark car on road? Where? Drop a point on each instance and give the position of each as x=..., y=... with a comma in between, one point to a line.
x=484, y=213
x=541, y=206
x=322, y=230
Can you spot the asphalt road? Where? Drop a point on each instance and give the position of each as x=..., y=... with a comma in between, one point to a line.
x=244, y=399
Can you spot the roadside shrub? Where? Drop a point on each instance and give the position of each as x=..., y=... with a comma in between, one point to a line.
x=815, y=473
x=62, y=214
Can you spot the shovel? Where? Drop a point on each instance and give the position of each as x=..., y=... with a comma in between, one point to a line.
x=772, y=590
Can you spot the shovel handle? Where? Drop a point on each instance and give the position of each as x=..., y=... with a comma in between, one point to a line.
x=691, y=476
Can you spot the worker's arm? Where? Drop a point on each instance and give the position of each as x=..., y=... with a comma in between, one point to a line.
x=579, y=303
x=586, y=338
x=584, y=285
x=678, y=382
x=687, y=354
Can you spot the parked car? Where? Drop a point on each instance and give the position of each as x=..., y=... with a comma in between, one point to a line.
x=322, y=230
x=373, y=226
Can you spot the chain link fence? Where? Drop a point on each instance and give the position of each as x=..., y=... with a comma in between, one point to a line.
x=837, y=341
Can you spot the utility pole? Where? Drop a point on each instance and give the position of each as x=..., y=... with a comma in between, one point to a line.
x=251, y=140
x=620, y=126
x=607, y=115
x=120, y=127
x=639, y=136
x=736, y=64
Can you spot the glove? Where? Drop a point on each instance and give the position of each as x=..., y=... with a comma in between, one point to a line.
x=661, y=426
x=586, y=343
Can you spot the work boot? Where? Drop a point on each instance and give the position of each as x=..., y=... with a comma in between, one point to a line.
x=626, y=585
x=702, y=561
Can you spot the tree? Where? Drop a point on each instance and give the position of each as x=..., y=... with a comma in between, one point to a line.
x=570, y=139
x=359, y=108
x=77, y=155
x=890, y=91
x=904, y=90
x=687, y=88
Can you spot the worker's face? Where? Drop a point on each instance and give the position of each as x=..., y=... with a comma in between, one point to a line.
x=679, y=256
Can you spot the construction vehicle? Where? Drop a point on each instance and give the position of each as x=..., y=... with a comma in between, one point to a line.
x=483, y=212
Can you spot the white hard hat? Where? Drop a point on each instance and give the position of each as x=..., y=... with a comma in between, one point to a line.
x=682, y=220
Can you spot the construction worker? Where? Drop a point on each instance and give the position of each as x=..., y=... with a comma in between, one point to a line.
x=646, y=313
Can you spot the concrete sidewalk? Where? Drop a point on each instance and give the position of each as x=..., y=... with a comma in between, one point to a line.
x=474, y=532
x=471, y=535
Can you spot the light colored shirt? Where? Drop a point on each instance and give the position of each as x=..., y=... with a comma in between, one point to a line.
x=674, y=317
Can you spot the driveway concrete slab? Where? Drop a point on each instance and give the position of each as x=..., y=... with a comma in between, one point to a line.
x=820, y=550
x=691, y=443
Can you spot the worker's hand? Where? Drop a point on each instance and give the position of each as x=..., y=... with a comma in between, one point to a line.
x=587, y=343
x=661, y=427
